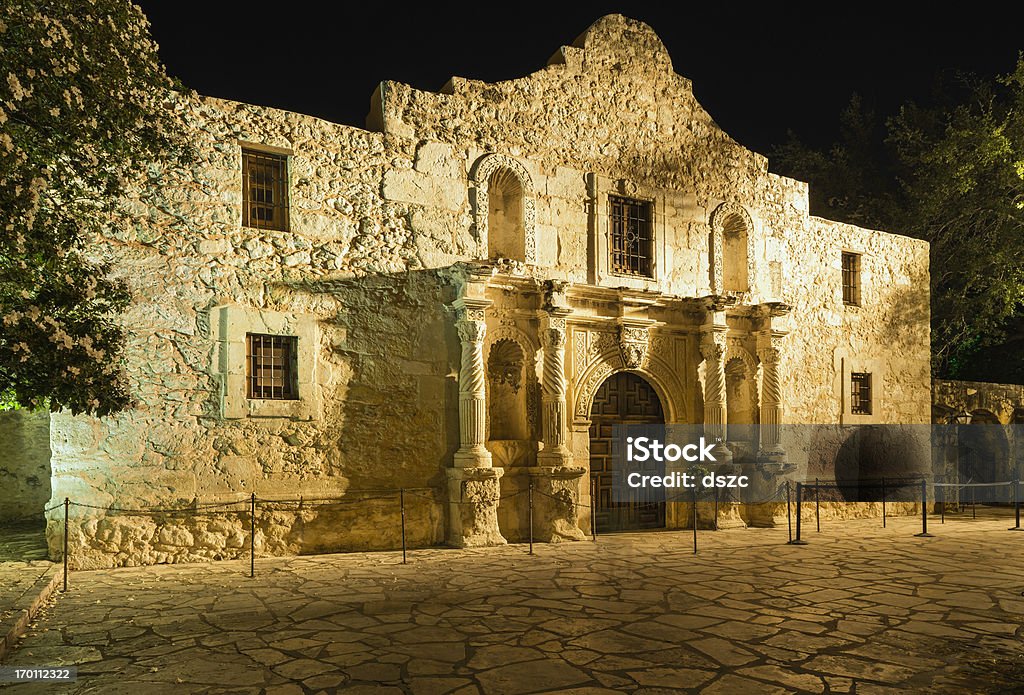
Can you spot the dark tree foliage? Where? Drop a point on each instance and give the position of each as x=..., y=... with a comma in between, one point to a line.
x=82, y=109
x=950, y=171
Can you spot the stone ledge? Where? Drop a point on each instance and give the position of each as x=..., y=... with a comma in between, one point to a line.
x=15, y=620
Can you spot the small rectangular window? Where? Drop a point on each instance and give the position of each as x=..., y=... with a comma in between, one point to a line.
x=860, y=393
x=264, y=190
x=630, y=238
x=851, y=279
x=270, y=366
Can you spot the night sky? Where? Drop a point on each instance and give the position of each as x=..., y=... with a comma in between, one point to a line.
x=759, y=71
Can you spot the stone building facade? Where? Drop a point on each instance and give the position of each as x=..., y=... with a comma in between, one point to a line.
x=466, y=295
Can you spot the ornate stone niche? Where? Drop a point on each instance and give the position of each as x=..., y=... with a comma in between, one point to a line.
x=506, y=391
x=732, y=255
x=504, y=210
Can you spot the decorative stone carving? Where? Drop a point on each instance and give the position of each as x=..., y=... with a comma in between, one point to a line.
x=580, y=352
x=735, y=349
x=589, y=387
x=633, y=344
x=473, y=496
x=769, y=352
x=712, y=349
x=553, y=391
x=602, y=342
x=718, y=221
x=660, y=346
x=556, y=495
x=485, y=167
x=533, y=398
x=472, y=386
x=505, y=363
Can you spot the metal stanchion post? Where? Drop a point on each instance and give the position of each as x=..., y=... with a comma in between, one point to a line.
x=942, y=506
x=799, y=513
x=67, y=504
x=883, y=501
x=789, y=514
x=593, y=511
x=924, y=511
x=531, y=517
x=1016, y=502
x=694, y=498
x=974, y=508
x=252, y=535
x=716, y=507
x=817, y=507
x=401, y=497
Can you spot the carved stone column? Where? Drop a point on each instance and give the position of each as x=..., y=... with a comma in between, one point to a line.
x=766, y=496
x=473, y=484
x=556, y=482
x=472, y=391
x=712, y=349
x=553, y=393
x=769, y=353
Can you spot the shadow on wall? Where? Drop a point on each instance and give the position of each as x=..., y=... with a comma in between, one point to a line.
x=858, y=457
x=24, y=466
x=906, y=323
x=391, y=409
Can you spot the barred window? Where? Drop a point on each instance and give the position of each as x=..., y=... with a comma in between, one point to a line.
x=264, y=190
x=860, y=393
x=851, y=278
x=631, y=243
x=270, y=366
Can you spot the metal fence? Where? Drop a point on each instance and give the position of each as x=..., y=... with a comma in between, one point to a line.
x=806, y=492
x=887, y=486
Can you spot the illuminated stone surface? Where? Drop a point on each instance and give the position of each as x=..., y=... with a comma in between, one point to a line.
x=458, y=220
x=873, y=609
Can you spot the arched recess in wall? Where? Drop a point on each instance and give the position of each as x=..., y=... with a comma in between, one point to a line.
x=731, y=261
x=506, y=391
x=504, y=209
x=983, y=456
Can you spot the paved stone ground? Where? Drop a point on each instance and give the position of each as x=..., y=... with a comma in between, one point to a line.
x=22, y=563
x=860, y=609
x=23, y=543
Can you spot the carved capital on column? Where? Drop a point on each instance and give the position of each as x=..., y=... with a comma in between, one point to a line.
x=553, y=338
x=769, y=356
x=769, y=346
x=472, y=330
x=712, y=345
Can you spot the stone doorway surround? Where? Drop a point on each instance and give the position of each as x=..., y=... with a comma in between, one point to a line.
x=571, y=338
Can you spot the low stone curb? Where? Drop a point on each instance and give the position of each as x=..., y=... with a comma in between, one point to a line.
x=25, y=609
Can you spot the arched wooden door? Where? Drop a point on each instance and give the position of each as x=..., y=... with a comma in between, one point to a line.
x=623, y=399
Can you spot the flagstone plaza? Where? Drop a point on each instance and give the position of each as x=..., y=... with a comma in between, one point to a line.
x=860, y=609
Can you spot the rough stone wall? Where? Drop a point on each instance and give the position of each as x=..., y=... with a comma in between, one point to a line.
x=384, y=352
x=613, y=105
x=376, y=218
x=1004, y=402
x=24, y=465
